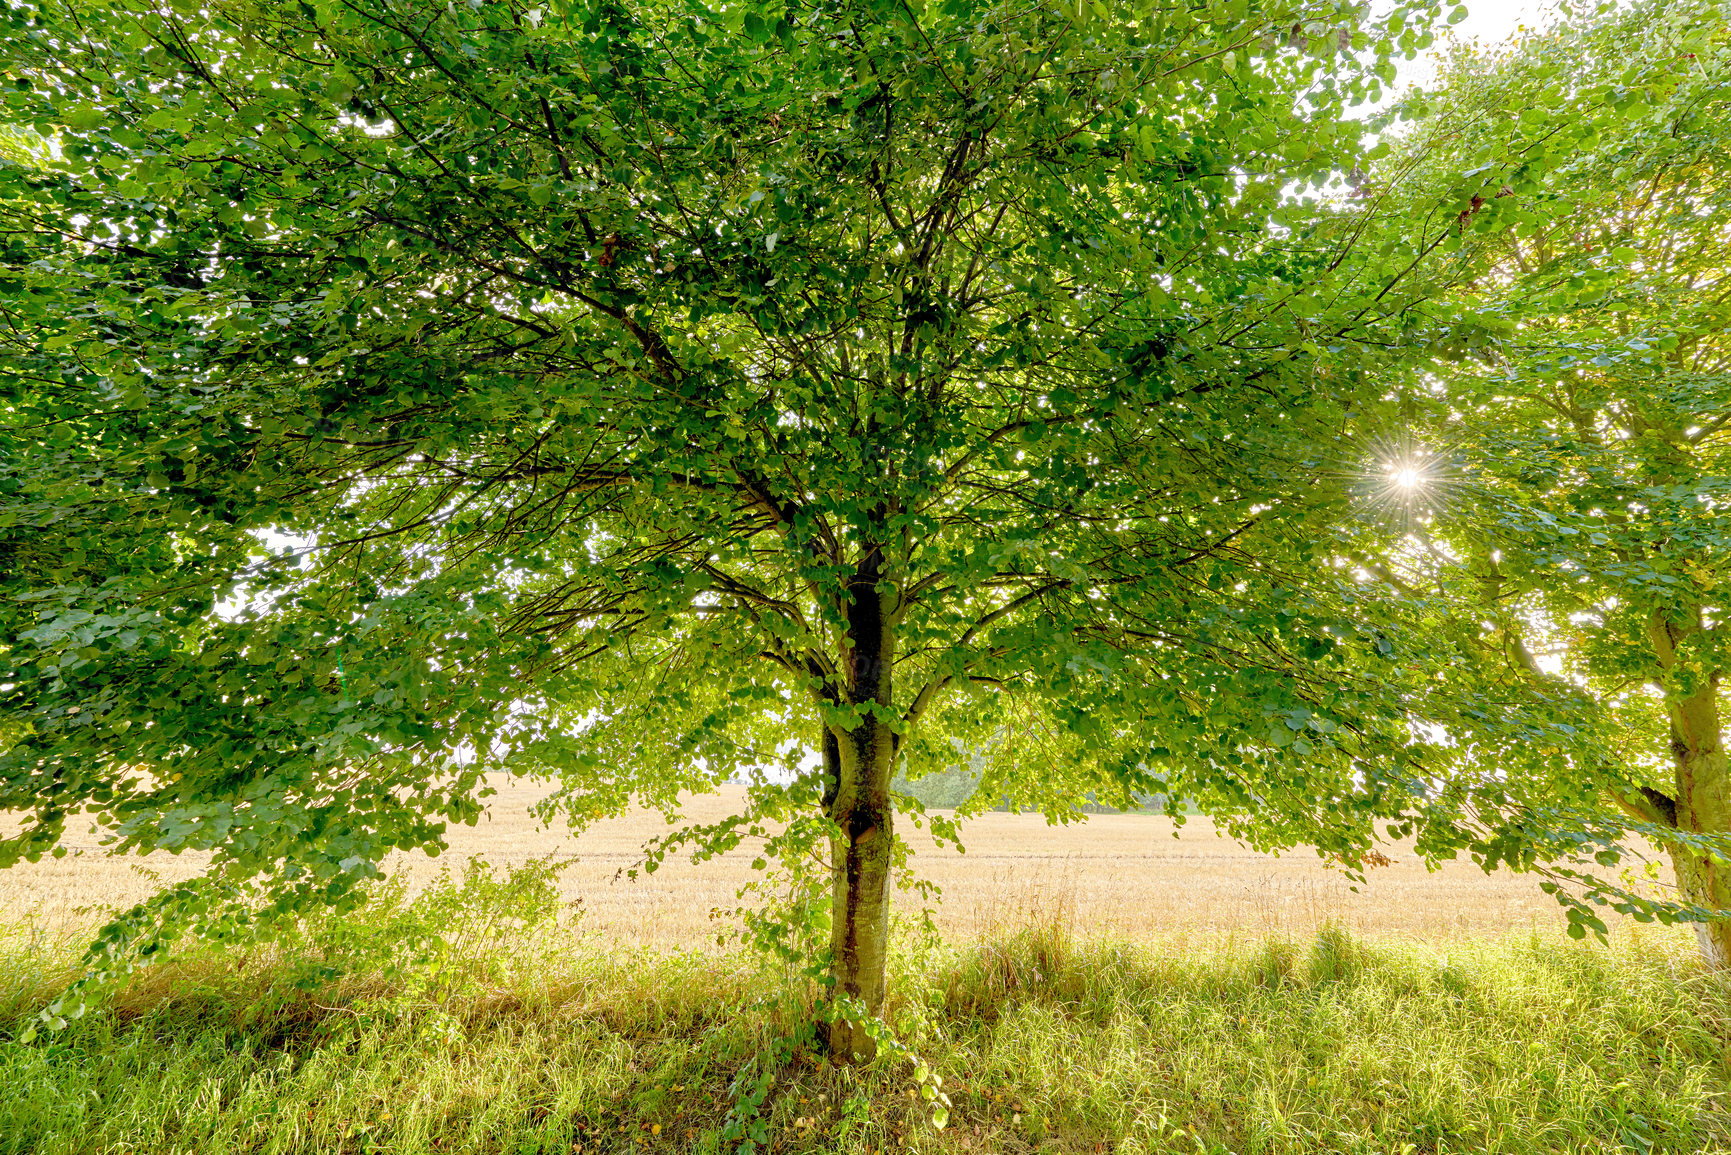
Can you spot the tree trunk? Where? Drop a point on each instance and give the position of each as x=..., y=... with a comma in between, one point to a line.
x=860, y=851
x=1702, y=882
x=1704, y=807
x=1703, y=778
x=865, y=753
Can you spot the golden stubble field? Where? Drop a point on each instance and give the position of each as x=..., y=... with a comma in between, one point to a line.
x=1113, y=876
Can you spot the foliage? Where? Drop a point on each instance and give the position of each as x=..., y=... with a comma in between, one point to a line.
x=650, y=393
x=1280, y=1047
x=1588, y=520
x=638, y=388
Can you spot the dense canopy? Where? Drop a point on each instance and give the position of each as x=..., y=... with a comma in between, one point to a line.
x=644, y=394
x=1594, y=533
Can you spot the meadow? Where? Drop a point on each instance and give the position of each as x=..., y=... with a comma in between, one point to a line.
x=1100, y=987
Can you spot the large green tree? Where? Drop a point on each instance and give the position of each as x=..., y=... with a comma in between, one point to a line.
x=646, y=393
x=1591, y=524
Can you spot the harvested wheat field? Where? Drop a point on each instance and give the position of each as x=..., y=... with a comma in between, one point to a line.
x=1114, y=876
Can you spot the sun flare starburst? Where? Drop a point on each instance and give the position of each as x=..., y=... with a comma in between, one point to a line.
x=1405, y=482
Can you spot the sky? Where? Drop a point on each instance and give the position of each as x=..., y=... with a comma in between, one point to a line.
x=1488, y=21
x=1493, y=20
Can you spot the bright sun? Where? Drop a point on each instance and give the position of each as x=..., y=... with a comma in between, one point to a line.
x=1406, y=482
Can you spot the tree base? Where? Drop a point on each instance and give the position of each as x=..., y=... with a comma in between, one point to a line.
x=849, y=1043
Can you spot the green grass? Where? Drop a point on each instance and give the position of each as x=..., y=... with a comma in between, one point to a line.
x=539, y=1042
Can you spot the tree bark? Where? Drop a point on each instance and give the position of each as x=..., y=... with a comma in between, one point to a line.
x=861, y=848
x=1703, y=882
x=1703, y=783
x=1703, y=807
x=861, y=854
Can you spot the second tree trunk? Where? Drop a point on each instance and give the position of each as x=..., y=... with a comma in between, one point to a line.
x=1704, y=807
